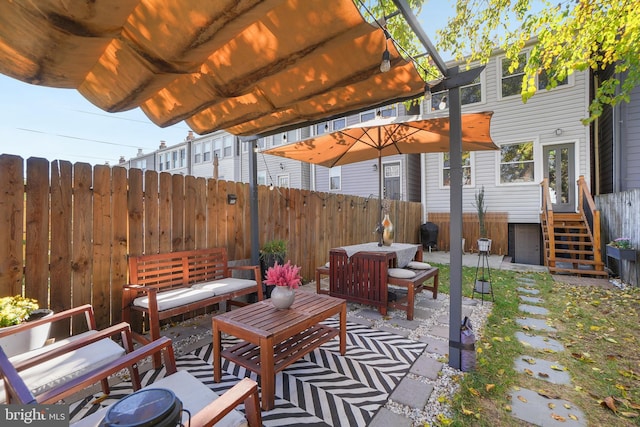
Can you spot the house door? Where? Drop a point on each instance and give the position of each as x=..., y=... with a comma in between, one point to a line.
x=559, y=169
x=392, y=181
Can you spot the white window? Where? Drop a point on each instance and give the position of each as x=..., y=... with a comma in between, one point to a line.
x=217, y=147
x=368, y=115
x=260, y=143
x=227, y=143
x=183, y=156
x=161, y=162
x=339, y=124
x=305, y=133
x=206, y=152
x=469, y=94
x=276, y=139
x=262, y=177
x=197, y=153
x=467, y=171
x=516, y=163
x=335, y=174
x=322, y=128
x=291, y=136
x=167, y=163
x=511, y=81
x=283, y=180
x=389, y=111
x=543, y=81
x=174, y=159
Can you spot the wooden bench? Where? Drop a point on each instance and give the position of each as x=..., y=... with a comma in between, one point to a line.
x=413, y=285
x=164, y=285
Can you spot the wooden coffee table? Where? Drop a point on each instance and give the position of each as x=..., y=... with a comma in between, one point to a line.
x=273, y=339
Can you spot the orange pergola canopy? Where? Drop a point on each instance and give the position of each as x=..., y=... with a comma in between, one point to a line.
x=248, y=66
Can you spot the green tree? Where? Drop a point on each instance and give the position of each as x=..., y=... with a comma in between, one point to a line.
x=572, y=36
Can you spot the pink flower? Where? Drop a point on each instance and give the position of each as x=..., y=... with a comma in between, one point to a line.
x=284, y=275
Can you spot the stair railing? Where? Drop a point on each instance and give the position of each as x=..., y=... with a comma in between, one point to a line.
x=591, y=216
x=547, y=214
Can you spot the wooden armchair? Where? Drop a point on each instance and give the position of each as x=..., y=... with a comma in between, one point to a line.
x=206, y=406
x=46, y=367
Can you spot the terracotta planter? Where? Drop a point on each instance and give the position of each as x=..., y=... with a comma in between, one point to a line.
x=27, y=339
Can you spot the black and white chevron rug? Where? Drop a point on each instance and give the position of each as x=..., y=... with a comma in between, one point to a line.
x=321, y=389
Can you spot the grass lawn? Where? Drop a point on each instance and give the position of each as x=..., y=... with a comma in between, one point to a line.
x=600, y=330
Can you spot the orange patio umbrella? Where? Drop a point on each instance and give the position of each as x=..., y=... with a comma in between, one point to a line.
x=388, y=136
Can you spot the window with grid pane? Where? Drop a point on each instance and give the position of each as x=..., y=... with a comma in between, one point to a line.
x=516, y=163
x=512, y=80
x=466, y=169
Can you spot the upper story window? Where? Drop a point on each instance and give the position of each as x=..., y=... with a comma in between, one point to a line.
x=291, y=136
x=335, y=174
x=367, y=115
x=276, y=139
x=206, y=151
x=227, y=142
x=467, y=172
x=469, y=94
x=321, y=128
x=517, y=163
x=174, y=159
x=183, y=157
x=388, y=111
x=339, y=124
x=305, y=133
x=262, y=177
x=217, y=147
x=511, y=81
x=543, y=81
x=197, y=153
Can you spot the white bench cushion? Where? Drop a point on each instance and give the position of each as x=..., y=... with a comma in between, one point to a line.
x=225, y=286
x=47, y=348
x=401, y=273
x=175, y=298
x=419, y=265
x=65, y=367
x=192, y=393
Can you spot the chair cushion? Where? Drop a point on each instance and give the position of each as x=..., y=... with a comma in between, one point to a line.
x=47, y=348
x=193, y=394
x=419, y=265
x=65, y=367
x=401, y=273
x=225, y=286
x=175, y=298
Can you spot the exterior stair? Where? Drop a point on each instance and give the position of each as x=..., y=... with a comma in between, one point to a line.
x=572, y=240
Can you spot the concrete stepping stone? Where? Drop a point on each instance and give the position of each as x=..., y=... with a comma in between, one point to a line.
x=533, y=309
x=539, y=343
x=542, y=369
x=527, y=405
x=528, y=291
x=535, y=324
x=441, y=331
x=527, y=281
x=531, y=300
x=412, y=393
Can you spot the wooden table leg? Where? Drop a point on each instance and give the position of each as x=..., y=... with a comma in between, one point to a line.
x=343, y=329
x=217, y=349
x=267, y=374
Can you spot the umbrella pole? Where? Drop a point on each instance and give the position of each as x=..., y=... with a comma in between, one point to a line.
x=380, y=178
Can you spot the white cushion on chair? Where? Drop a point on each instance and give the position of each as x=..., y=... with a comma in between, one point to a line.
x=419, y=265
x=401, y=273
x=225, y=286
x=175, y=298
x=193, y=394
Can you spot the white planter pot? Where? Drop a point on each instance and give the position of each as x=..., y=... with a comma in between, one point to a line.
x=26, y=340
x=483, y=286
x=282, y=297
x=484, y=245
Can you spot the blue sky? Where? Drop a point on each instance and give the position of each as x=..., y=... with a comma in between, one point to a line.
x=38, y=121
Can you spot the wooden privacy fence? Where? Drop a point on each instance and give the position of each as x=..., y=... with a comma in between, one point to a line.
x=496, y=224
x=66, y=230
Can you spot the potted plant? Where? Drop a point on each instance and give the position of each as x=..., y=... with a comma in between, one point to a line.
x=284, y=278
x=621, y=248
x=484, y=244
x=272, y=252
x=15, y=311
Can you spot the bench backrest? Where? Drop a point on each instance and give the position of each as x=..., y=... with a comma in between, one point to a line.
x=361, y=277
x=178, y=268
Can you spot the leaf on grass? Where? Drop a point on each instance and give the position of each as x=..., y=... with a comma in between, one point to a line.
x=557, y=368
x=545, y=393
x=499, y=339
x=507, y=408
x=500, y=371
x=558, y=418
x=528, y=371
x=522, y=399
x=489, y=387
x=466, y=411
x=628, y=414
x=609, y=403
x=474, y=391
x=543, y=375
x=611, y=340
x=548, y=350
x=529, y=360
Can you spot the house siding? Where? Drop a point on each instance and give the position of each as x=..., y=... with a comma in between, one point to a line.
x=512, y=122
x=630, y=124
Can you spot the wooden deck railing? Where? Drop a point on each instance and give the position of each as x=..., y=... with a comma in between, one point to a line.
x=546, y=213
x=591, y=216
